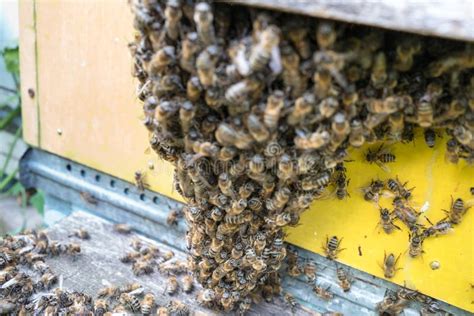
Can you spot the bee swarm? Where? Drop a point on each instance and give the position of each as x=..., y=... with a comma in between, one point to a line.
x=255, y=109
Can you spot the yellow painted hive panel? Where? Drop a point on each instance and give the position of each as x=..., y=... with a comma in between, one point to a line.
x=86, y=111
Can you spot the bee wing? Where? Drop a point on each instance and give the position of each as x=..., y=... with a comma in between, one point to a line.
x=137, y=292
x=383, y=166
x=9, y=283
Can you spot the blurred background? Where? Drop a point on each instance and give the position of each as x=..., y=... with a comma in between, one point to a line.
x=19, y=208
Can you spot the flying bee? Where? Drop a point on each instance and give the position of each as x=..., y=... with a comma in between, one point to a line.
x=147, y=304
x=416, y=244
x=81, y=234
x=398, y=188
x=172, y=285
x=344, y=279
x=275, y=103
x=380, y=156
x=390, y=265
x=131, y=301
x=457, y=210
x=203, y=17
x=140, y=181
x=173, y=16
x=323, y=293
x=100, y=307
x=373, y=190
x=262, y=51
x=440, y=228
x=331, y=248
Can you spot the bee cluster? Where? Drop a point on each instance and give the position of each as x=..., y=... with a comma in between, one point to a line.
x=394, y=302
x=24, y=271
x=257, y=109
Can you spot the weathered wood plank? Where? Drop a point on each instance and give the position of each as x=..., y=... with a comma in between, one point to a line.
x=452, y=19
x=99, y=263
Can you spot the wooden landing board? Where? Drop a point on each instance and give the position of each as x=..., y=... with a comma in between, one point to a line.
x=99, y=264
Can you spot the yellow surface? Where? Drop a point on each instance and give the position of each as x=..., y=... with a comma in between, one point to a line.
x=86, y=106
x=83, y=89
x=356, y=220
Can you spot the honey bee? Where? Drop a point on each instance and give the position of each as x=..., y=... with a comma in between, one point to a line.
x=341, y=186
x=389, y=105
x=173, y=16
x=130, y=301
x=147, y=304
x=188, y=283
x=386, y=220
x=205, y=69
x=463, y=135
x=380, y=156
x=459, y=59
x=416, y=245
x=397, y=124
x=326, y=35
x=46, y=281
x=203, y=17
x=309, y=270
x=173, y=216
x=440, y=228
x=431, y=309
x=162, y=311
x=291, y=301
x=206, y=296
x=140, y=181
x=176, y=307
x=457, y=210
x=373, y=190
x=356, y=137
x=257, y=129
x=399, y=188
x=81, y=234
x=275, y=103
x=322, y=87
x=262, y=51
x=100, y=307
x=391, y=304
x=141, y=267
x=344, y=279
x=331, y=248
x=162, y=59
x=314, y=140
x=390, y=265
x=379, y=75
x=323, y=293
x=407, y=214
x=172, y=285
x=298, y=35
x=405, y=53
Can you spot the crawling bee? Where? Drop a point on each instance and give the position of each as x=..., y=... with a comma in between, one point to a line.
x=141, y=267
x=172, y=285
x=386, y=220
x=391, y=304
x=206, y=296
x=203, y=17
x=416, y=244
x=147, y=304
x=176, y=307
x=100, y=307
x=188, y=283
x=452, y=151
x=344, y=279
x=341, y=186
x=331, y=249
x=399, y=188
x=390, y=265
x=440, y=228
x=81, y=233
x=380, y=156
x=173, y=216
x=309, y=270
x=372, y=192
x=130, y=301
x=162, y=311
x=140, y=182
x=457, y=210
x=291, y=301
x=323, y=293
x=122, y=228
